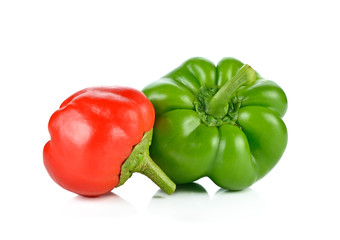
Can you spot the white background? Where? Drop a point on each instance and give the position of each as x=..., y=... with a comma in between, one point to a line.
x=51, y=49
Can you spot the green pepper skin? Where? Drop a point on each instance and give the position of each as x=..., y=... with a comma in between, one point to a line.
x=235, y=142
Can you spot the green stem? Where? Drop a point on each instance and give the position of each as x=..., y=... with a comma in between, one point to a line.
x=140, y=161
x=218, y=104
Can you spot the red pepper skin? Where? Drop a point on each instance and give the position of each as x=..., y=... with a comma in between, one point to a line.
x=92, y=134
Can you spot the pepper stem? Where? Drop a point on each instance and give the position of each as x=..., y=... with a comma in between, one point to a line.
x=140, y=161
x=218, y=104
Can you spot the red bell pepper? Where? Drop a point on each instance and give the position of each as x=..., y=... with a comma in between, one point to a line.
x=99, y=137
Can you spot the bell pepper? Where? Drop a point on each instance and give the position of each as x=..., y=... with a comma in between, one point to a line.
x=220, y=121
x=99, y=137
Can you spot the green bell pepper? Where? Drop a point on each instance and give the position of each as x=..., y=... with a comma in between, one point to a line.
x=220, y=121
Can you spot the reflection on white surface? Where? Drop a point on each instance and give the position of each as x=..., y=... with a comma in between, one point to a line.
x=109, y=205
x=191, y=202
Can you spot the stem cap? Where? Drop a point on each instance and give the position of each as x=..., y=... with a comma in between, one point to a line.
x=218, y=104
x=140, y=161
